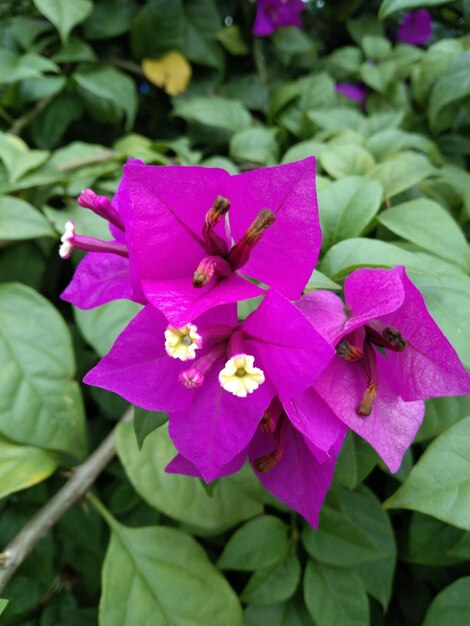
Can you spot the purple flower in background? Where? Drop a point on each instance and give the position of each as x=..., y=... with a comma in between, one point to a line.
x=415, y=27
x=187, y=258
x=215, y=377
x=274, y=14
x=354, y=92
x=391, y=356
x=105, y=273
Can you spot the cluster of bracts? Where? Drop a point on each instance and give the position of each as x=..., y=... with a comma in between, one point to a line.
x=283, y=386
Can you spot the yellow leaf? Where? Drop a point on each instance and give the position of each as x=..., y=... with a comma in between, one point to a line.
x=171, y=72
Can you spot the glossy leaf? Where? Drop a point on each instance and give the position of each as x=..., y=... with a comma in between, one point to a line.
x=234, y=499
x=64, y=14
x=19, y=220
x=258, y=543
x=40, y=404
x=439, y=484
x=23, y=466
x=451, y=606
x=160, y=576
x=145, y=422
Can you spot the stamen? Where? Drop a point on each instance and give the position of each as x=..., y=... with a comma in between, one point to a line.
x=182, y=343
x=386, y=337
x=272, y=414
x=214, y=243
x=265, y=463
x=71, y=241
x=209, y=267
x=240, y=377
x=394, y=339
x=193, y=377
x=368, y=363
x=101, y=205
x=347, y=351
x=240, y=253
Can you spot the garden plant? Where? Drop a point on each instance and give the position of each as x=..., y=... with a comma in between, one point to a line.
x=234, y=312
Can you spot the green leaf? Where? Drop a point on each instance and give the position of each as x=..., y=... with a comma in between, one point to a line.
x=157, y=28
x=340, y=160
x=256, y=145
x=429, y=542
x=161, y=576
x=40, y=404
x=232, y=40
x=201, y=28
x=14, y=67
x=440, y=414
x=451, y=606
x=401, y=172
x=379, y=76
x=23, y=466
x=234, y=499
x=102, y=325
x=462, y=548
x=19, y=220
x=229, y=115
x=64, y=14
x=439, y=484
x=17, y=157
x=339, y=541
x=261, y=542
x=109, y=18
x=375, y=47
x=429, y=226
x=145, y=422
x=391, y=6
x=292, y=613
x=347, y=206
x=450, y=86
x=3, y=605
x=355, y=462
x=275, y=583
x=337, y=118
x=113, y=88
x=335, y=596
x=320, y=281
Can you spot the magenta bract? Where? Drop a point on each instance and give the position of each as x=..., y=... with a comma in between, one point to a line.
x=391, y=355
x=415, y=27
x=274, y=14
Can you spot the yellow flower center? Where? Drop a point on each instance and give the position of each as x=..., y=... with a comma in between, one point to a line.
x=182, y=343
x=240, y=377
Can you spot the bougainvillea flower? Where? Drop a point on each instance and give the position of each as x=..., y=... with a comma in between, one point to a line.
x=217, y=399
x=274, y=14
x=351, y=91
x=184, y=253
x=105, y=273
x=390, y=356
x=415, y=27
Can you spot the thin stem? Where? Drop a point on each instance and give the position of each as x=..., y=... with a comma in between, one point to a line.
x=28, y=117
x=75, y=488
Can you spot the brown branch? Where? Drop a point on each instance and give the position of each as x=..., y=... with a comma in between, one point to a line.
x=75, y=488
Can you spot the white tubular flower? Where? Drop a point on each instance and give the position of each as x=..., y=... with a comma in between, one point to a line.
x=66, y=247
x=240, y=377
x=182, y=343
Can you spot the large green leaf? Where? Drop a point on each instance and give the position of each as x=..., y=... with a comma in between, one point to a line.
x=23, y=466
x=275, y=583
x=234, y=499
x=257, y=145
x=356, y=460
x=64, y=14
x=17, y=157
x=292, y=613
x=101, y=326
x=340, y=160
x=228, y=115
x=391, y=6
x=158, y=576
x=440, y=414
x=19, y=220
x=114, y=90
x=346, y=208
x=401, y=172
x=439, y=484
x=450, y=86
x=261, y=542
x=451, y=606
x=40, y=404
x=429, y=541
x=429, y=226
x=145, y=422
x=335, y=596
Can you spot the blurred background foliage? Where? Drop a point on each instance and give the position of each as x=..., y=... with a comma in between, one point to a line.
x=84, y=86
